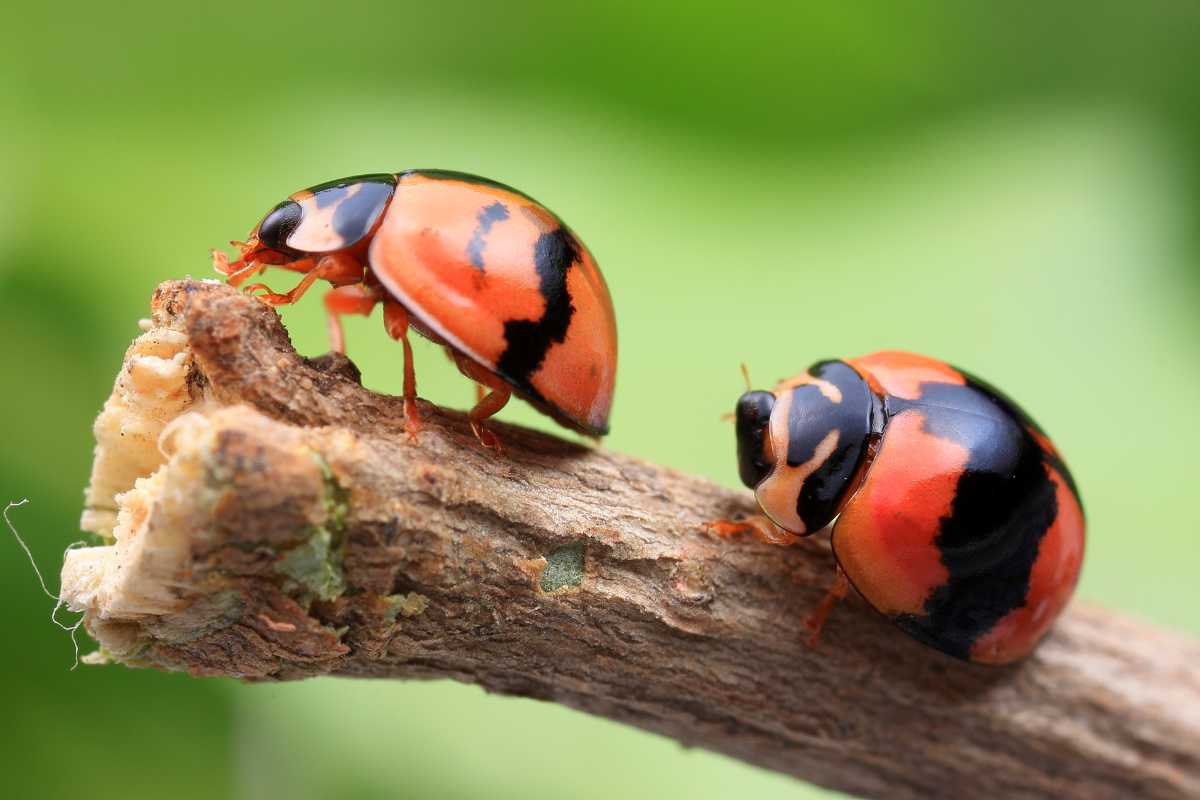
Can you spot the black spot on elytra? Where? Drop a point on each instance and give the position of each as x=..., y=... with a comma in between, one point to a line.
x=1005, y=402
x=1003, y=505
x=487, y=217
x=528, y=340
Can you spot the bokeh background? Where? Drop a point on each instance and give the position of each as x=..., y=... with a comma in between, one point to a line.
x=1014, y=190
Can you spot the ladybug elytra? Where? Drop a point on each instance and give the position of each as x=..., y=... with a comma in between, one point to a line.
x=474, y=265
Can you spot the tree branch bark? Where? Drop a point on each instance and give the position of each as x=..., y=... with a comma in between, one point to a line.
x=286, y=528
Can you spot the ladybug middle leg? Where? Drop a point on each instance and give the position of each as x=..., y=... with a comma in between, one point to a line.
x=816, y=620
x=767, y=531
x=356, y=299
x=395, y=320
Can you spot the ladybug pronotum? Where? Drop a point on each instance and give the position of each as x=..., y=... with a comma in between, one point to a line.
x=474, y=265
x=954, y=515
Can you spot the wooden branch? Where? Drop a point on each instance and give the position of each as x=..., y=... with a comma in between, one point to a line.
x=291, y=530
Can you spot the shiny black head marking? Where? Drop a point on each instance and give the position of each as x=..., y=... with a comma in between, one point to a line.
x=278, y=225
x=528, y=340
x=357, y=204
x=751, y=418
x=342, y=183
x=811, y=418
x=1003, y=505
x=485, y=219
x=357, y=213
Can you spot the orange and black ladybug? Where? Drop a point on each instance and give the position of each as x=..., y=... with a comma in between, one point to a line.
x=955, y=515
x=471, y=264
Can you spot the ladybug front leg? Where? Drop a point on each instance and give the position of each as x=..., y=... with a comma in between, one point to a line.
x=759, y=525
x=357, y=299
x=338, y=269
x=395, y=319
x=235, y=274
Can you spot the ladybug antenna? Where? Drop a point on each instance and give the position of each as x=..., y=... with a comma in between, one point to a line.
x=731, y=416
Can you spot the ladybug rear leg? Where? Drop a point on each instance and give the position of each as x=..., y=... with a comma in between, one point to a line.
x=356, y=299
x=759, y=525
x=491, y=403
x=816, y=620
x=487, y=403
x=395, y=319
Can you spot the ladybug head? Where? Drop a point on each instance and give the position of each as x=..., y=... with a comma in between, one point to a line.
x=326, y=218
x=265, y=246
x=279, y=223
x=751, y=418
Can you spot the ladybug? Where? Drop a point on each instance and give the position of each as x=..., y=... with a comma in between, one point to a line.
x=953, y=513
x=474, y=265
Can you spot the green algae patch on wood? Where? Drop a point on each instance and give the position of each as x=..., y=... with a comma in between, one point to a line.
x=412, y=604
x=315, y=565
x=564, y=568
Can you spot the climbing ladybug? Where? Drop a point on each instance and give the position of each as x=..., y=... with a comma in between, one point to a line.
x=955, y=515
x=472, y=264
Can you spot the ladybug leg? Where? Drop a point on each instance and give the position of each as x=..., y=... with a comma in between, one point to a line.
x=356, y=299
x=491, y=403
x=759, y=525
x=237, y=272
x=338, y=268
x=487, y=404
x=395, y=319
x=816, y=621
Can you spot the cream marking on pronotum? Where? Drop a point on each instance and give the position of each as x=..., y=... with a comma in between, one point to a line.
x=58, y=601
x=777, y=493
x=831, y=392
x=316, y=232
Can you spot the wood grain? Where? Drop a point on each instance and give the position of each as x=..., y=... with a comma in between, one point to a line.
x=584, y=577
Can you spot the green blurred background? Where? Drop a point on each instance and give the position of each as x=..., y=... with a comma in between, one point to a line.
x=1015, y=191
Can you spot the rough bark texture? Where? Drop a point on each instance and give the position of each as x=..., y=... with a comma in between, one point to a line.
x=289, y=529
